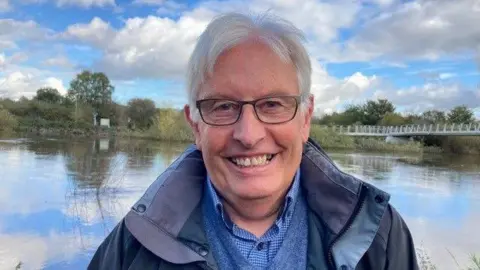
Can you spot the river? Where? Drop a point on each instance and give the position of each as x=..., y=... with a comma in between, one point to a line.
x=60, y=198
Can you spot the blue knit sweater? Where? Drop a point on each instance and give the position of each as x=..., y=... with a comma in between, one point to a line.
x=291, y=255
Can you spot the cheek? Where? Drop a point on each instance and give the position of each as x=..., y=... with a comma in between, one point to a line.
x=213, y=140
x=288, y=136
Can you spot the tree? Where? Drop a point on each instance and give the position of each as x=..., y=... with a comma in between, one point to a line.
x=141, y=112
x=374, y=111
x=93, y=89
x=460, y=115
x=434, y=116
x=392, y=119
x=49, y=95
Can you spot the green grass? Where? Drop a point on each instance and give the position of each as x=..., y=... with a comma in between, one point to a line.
x=331, y=140
x=379, y=145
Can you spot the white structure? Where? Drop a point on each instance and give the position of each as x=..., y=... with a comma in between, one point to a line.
x=105, y=122
x=410, y=130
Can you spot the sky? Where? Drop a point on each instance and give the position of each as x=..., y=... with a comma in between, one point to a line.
x=421, y=55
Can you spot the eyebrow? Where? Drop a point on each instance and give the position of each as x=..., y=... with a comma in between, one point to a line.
x=274, y=93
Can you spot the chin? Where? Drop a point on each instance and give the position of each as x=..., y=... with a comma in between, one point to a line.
x=260, y=188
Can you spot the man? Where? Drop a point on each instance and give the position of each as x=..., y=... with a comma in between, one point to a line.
x=255, y=192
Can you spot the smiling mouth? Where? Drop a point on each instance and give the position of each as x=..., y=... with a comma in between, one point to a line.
x=260, y=160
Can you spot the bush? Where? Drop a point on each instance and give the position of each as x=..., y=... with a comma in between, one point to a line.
x=330, y=139
x=461, y=145
x=8, y=122
x=170, y=125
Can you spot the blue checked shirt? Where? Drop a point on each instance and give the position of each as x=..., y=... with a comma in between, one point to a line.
x=259, y=251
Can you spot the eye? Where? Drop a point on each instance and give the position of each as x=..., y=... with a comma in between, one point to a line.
x=272, y=104
x=222, y=106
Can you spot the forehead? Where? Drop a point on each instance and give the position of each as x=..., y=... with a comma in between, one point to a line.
x=248, y=71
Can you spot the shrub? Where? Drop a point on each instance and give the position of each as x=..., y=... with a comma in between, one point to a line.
x=170, y=125
x=330, y=139
x=7, y=121
x=461, y=145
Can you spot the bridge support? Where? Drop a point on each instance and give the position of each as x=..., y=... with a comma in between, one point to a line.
x=397, y=140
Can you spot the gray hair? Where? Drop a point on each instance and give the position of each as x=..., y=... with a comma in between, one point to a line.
x=228, y=30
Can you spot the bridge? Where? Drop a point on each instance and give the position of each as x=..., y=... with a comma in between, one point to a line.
x=409, y=130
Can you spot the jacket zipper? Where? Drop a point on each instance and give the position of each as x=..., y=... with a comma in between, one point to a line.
x=346, y=228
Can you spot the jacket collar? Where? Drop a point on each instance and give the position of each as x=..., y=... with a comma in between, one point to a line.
x=157, y=219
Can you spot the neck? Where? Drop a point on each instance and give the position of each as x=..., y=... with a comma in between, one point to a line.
x=254, y=216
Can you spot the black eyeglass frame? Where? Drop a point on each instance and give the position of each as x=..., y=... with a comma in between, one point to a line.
x=251, y=102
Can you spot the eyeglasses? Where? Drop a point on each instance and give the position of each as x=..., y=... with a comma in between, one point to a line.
x=269, y=110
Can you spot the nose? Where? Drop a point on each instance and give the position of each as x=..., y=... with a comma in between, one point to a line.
x=249, y=130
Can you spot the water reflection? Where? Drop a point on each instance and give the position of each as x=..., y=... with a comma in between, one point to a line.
x=438, y=196
x=59, y=198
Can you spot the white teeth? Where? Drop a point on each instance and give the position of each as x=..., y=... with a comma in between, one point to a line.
x=253, y=161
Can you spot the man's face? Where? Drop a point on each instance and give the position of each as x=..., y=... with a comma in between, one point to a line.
x=247, y=72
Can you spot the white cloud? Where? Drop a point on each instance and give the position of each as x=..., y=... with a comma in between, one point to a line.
x=78, y=3
x=7, y=44
x=446, y=75
x=5, y=5
x=57, y=84
x=2, y=61
x=58, y=61
x=17, y=84
x=16, y=58
x=86, y=3
x=97, y=33
x=155, y=47
x=149, y=2
x=423, y=29
x=12, y=31
x=35, y=251
x=171, y=8
x=149, y=47
x=430, y=96
x=383, y=2
x=331, y=92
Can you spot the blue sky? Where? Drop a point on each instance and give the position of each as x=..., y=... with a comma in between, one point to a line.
x=421, y=54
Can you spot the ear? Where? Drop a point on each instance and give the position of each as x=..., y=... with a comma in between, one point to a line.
x=193, y=126
x=307, y=118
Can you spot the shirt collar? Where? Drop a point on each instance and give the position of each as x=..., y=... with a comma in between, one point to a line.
x=290, y=199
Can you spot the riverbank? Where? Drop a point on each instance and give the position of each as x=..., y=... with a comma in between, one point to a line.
x=179, y=131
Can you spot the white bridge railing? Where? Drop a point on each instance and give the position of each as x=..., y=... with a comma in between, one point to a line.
x=409, y=130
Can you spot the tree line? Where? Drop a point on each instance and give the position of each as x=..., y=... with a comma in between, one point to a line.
x=89, y=98
x=383, y=112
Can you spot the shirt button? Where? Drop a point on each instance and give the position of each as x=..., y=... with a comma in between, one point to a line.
x=260, y=246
